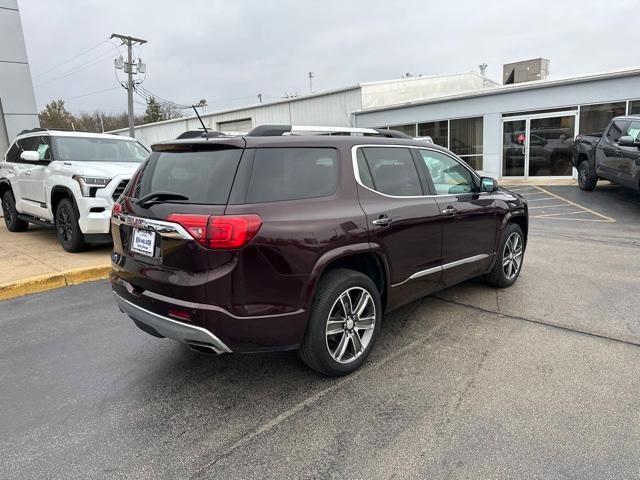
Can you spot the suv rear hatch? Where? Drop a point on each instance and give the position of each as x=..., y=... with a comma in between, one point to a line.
x=167, y=222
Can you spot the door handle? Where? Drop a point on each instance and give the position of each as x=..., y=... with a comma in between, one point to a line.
x=383, y=221
x=449, y=211
x=28, y=173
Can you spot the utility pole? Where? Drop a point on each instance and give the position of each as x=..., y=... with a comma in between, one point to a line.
x=311, y=82
x=260, y=97
x=128, y=68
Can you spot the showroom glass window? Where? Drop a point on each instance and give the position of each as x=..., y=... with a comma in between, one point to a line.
x=465, y=140
x=634, y=107
x=595, y=118
x=409, y=129
x=438, y=131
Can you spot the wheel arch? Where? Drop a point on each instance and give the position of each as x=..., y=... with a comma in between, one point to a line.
x=5, y=185
x=365, y=258
x=58, y=193
x=522, y=221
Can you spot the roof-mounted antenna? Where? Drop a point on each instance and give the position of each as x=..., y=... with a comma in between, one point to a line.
x=201, y=103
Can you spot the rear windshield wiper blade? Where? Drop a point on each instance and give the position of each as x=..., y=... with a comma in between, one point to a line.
x=159, y=196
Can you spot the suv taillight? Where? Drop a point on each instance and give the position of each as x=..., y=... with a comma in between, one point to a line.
x=220, y=232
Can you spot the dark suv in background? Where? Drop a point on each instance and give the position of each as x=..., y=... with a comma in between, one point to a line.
x=277, y=241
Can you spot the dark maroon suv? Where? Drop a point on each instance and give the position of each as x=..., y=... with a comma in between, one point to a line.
x=278, y=242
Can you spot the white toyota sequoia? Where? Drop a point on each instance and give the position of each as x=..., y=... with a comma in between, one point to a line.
x=69, y=180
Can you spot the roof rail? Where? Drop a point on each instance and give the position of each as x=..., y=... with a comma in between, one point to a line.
x=278, y=130
x=43, y=129
x=33, y=130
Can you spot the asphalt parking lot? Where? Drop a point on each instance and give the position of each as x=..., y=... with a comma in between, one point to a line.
x=537, y=381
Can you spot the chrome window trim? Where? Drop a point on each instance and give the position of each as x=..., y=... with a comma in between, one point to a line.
x=356, y=171
x=164, y=229
x=442, y=268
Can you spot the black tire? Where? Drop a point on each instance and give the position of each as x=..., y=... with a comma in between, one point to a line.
x=11, y=220
x=67, y=227
x=587, y=179
x=501, y=275
x=315, y=350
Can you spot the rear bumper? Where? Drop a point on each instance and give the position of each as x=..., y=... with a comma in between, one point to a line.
x=167, y=327
x=211, y=327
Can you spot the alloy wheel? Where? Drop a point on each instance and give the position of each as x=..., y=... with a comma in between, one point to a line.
x=350, y=324
x=582, y=175
x=8, y=209
x=512, y=256
x=64, y=224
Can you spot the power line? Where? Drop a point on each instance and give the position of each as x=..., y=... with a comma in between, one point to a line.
x=70, y=59
x=78, y=68
x=89, y=94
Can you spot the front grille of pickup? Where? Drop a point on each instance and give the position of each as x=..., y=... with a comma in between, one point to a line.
x=119, y=189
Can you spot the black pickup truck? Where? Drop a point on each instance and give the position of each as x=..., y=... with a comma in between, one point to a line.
x=613, y=155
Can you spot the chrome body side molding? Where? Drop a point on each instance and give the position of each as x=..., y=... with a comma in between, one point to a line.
x=441, y=268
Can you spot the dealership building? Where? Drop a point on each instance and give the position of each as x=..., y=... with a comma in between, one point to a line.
x=522, y=127
x=17, y=102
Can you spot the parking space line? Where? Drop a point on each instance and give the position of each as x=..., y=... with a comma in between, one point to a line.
x=597, y=220
x=549, y=206
x=545, y=215
x=519, y=189
x=541, y=199
x=604, y=217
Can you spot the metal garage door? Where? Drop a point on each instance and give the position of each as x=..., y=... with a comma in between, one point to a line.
x=243, y=125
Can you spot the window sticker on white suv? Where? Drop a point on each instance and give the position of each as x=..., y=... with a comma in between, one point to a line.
x=42, y=150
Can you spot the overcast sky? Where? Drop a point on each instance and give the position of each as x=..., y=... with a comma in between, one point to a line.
x=229, y=51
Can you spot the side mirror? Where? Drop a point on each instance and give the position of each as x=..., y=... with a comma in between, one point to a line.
x=627, y=141
x=30, y=156
x=488, y=184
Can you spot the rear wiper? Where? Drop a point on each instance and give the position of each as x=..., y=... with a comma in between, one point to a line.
x=154, y=197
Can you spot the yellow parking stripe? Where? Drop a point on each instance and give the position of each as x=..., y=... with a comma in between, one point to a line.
x=549, y=206
x=604, y=217
x=545, y=215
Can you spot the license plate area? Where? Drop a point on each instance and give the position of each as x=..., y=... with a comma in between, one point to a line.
x=143, y=242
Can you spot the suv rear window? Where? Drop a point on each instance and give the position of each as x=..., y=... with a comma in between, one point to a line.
x=205, y=177
x=292, y=173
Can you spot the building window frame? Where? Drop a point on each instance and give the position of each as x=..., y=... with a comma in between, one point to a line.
x=416, y=129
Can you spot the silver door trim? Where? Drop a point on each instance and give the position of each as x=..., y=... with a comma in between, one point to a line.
x=442, y=268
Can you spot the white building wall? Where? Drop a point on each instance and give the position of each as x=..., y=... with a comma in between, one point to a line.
x=394, y=92
x=491, y=105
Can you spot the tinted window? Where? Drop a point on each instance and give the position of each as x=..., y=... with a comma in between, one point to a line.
x=363, y=170
x=615, y=132
x=38, y=144
x=12, y=154
x=634, y=131
x=392, y=171
x=292, y=173
x=204, y=177
x=448, y=175
x=96, y=149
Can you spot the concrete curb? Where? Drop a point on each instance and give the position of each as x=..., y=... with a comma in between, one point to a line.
x=51, y=281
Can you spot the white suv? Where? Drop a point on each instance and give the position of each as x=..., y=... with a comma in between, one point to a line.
x=66, y=179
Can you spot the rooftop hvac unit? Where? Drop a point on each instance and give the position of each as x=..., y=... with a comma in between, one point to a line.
x=525, y=71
